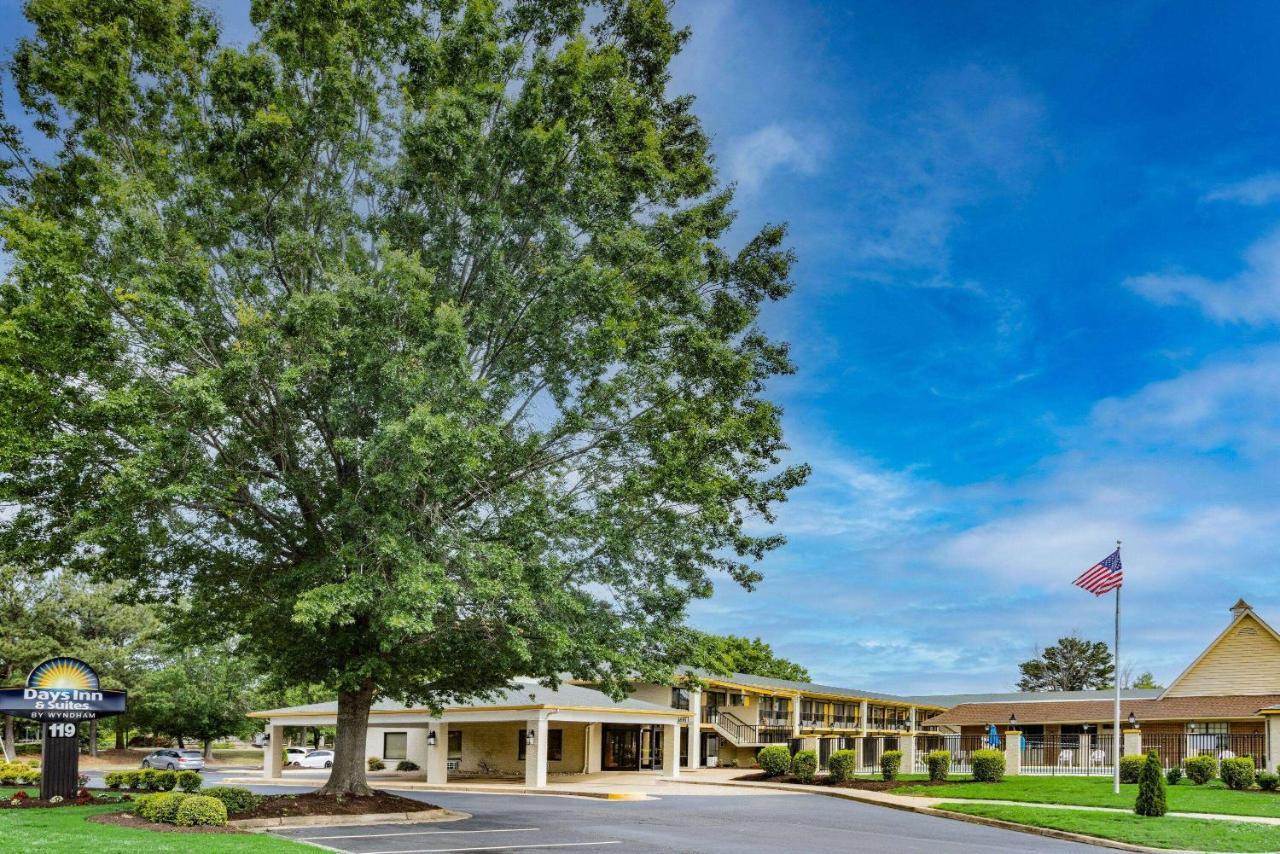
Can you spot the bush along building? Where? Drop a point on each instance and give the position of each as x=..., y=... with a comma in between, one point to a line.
x=1225, y=704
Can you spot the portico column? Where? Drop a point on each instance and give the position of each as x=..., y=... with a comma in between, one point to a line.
x=535, y=755
x=438, y=754
x=695, y=727
x=1133, y=743
x=907, y=747
x=273, y=752
x=1273, y=742
x=671, y=750
x=795, y=716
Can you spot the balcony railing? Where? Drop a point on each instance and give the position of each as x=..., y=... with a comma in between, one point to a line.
x=826, y=722
x=741, y=733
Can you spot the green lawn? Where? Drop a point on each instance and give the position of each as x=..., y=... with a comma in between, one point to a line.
x=63, y=830
x=1096, y=792
x=1197, y=834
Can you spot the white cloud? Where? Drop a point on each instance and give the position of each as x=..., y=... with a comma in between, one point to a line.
x=752, y=158
x=1251, y=296
x=1258, y=190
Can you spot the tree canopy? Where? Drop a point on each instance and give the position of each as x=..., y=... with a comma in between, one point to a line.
x=733, y=654
x=402, y=339
x=1072, y=664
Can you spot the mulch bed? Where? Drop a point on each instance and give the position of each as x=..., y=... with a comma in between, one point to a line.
x=866, y=785
x=128, y=819
x=100, y=796
x=313, y=803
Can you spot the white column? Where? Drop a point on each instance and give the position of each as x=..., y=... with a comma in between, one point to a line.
x=1133, y=742
x=859, y=749
x=671, y=750
x=272, y=753
x=438, y=754
x=1012, y=752
x=795, y=716
x=862, y=717
x=695, y=727
x=1272, y=743
x=1086, y=746
x=595, y=746
x=907, y=747
x=535, y=755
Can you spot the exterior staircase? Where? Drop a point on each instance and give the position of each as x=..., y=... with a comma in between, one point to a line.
x=741, y=734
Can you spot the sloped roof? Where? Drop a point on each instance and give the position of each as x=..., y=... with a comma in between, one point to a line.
x=1093, y=711
x=526, y=693
x=768, y=682
x=950, y=700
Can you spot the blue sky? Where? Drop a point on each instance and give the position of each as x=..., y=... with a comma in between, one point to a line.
x=1037, y=310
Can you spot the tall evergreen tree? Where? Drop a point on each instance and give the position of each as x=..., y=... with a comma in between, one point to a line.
x=401, y=340
x=1072, y=664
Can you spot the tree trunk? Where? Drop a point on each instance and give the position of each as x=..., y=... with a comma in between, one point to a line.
x=10, y=749
x=348, y=774
x=93, y=738
x=208, y=749
x=182, y=745
x=120, y=736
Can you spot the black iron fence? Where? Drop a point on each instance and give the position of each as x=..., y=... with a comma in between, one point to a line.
x=1174, y=748
x=1068, y=755
x=961, y=748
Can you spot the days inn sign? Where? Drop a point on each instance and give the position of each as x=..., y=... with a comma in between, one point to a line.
x=62, y=689
x=60, y=693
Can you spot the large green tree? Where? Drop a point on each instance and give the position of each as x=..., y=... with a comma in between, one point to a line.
x=401, y=340
x=1072, y=664
x=201, y=692
x=733, y=654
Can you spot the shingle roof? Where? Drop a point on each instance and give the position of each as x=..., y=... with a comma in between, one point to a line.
x=1092, y=711
x=949, y=700
x=527, y=693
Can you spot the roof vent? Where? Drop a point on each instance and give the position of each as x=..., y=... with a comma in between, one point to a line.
x=1247, y=632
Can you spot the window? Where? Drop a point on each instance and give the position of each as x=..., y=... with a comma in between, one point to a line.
x=455, y=744
x=395, y=745
x=737, y=700
x=555, y=745
x=680, y=698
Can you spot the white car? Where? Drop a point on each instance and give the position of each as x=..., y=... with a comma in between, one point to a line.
x=317, y=759
x=294, y=755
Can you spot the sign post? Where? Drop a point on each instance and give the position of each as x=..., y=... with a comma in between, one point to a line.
x=61, y=693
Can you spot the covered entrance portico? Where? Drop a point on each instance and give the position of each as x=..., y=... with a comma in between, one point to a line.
x=585, y=733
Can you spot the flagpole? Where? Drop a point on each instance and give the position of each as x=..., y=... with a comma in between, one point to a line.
x=1115, y=730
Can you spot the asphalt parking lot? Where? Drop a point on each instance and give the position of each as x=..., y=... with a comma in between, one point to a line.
x=684, y=823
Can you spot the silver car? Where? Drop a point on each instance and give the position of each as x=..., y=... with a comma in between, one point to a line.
x=172, y=759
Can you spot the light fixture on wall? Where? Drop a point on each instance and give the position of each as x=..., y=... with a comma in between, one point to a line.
x=1192, y=726
x=1013, y=720
x=529, y=736
x=1133, y=721
x=431, y=738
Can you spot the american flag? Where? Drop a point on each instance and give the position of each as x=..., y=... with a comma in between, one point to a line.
x=1102, y=577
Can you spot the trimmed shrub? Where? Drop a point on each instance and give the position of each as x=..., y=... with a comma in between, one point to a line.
x=31, y=777
x=376, y=764
x=1201, y=769
x=201, y=810
x=988, y=765
x=774, y=760
x=1173, y=776
x=1151, y=801
x=804, y=765
x=939, y=764
x=146, y=779
x=9, y=773
x=129, y=779
x=113, y=779
x=843, y=764
x=1131, y=768
x=1267, y=781
x=1238, y=772
x=164, y=781
x=189, y=781
x=890, y=763
x=406, y=765
x=236, y=799
x=161, y=807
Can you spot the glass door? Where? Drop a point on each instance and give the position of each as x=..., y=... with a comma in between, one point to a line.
x=620, y=750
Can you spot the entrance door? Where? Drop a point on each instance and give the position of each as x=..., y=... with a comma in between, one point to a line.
x=650, y=748
x=620, y=750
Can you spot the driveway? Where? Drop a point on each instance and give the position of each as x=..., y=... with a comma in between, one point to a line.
x=676, y=823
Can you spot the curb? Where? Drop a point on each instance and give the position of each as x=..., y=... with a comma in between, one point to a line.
x=432, y=815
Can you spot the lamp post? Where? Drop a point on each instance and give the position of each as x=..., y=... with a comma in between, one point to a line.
x=1133, y=721
x=1013, y=721
x=431, y=738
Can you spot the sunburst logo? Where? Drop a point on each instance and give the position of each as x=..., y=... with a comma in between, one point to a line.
x=64, y=673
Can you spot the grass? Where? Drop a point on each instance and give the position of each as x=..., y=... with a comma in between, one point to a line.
x=1096, y=792
x=64, y=830
x=1197, y=834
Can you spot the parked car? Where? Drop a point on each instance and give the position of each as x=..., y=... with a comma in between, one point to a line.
x=317, y=759
x=174, y=760
x=294, y=755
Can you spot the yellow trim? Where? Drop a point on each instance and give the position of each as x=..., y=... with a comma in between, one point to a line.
x=1265, y=712
x=1248, y=612
x=285, y=713
x=1131, y=731
x=818, y=695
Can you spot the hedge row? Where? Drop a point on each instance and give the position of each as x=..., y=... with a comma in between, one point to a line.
x=182, y=809
x=19, y=773
x=152, y=780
